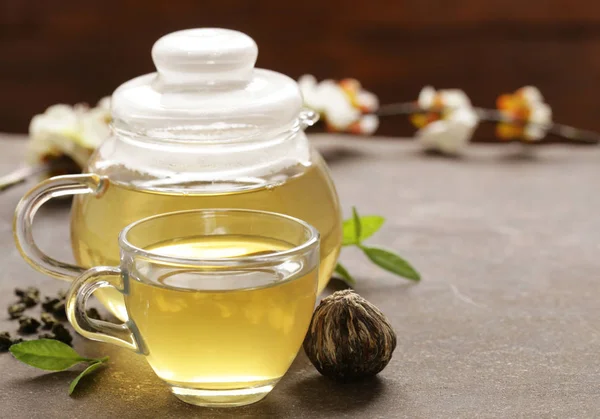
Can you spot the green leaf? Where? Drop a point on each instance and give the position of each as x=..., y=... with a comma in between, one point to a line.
x=357, y=226
x=369, y=225
x=391, y=262
x=93, y=367
x=343, y=272
x=47, y=354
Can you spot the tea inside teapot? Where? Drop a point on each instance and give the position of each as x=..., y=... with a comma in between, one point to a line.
x=96, y=222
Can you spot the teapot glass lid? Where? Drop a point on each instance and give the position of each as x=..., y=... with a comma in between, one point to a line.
x=206, y=87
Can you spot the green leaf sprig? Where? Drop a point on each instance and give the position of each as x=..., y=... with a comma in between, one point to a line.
x=357, y=229
x=53, y=355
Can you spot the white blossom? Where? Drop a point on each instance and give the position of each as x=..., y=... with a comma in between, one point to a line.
x=447, y=98
x=447, y=120
x=540, y=113
x=342, y=106
x=450, y=135
x=73, y=131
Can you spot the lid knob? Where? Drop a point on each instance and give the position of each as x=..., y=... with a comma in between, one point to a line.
x=205, y=56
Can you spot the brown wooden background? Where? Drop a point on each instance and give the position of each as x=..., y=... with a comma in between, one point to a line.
x=79, y=50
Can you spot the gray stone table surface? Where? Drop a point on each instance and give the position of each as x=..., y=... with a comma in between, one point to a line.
x=505, y=323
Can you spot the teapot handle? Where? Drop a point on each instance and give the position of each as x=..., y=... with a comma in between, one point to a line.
x=28, y=207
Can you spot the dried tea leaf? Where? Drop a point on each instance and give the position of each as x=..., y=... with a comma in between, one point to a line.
x=5, y=341
x=48, y=320
x=49, y=303
x=16, y=310
x=62, y=334
x=28, y=325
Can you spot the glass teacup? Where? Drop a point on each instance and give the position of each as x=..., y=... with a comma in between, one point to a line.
x=218, y=301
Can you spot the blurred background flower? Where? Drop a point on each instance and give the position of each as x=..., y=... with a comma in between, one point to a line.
x=531, y=116
x=438, y=104
x=451, y=134
x=63, y=138
x=344, y=106
x=445, y=118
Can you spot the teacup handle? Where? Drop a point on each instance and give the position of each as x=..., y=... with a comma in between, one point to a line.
x=28, y=207
x=79, y=293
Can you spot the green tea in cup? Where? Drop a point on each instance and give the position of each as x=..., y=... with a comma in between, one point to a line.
x=218, y=301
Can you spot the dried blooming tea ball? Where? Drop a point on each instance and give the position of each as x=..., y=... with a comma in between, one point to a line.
x=349, y=338
x=92, y=313
x=48, y=320
x=62, y=334
x=5, y=341
x=28, y=325
x=16, y=310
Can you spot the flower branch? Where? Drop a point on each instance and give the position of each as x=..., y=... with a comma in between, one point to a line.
x=446, y=120
x=493, y=115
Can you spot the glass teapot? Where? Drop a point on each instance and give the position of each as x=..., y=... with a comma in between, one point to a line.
x=207, y=130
